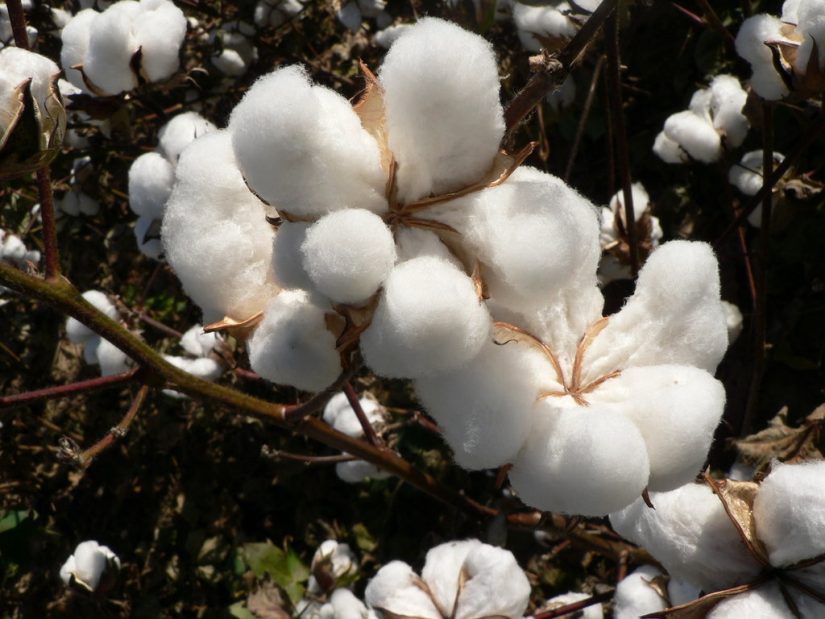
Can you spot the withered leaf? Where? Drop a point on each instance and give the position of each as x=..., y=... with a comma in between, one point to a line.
x=504, y=333
x=370, y=109
x=779, y=440
x=699, y=608
x=266, y=602
x=236, y=328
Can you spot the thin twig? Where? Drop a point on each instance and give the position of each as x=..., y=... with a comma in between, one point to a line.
x=355, y=403
x=83, y=386
x=277, y=454
x=18, y=23
x=574, y=606
x=585, y=115
x=117, y=432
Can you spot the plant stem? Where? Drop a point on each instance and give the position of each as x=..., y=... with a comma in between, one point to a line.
x=83, y=386
x=355, y=403
x=588, y=105
x=18, y=23
x=574, y=606
x=117, y=432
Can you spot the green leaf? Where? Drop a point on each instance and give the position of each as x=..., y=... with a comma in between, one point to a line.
x=10, y=519
x=285, y=568
x=240, y=611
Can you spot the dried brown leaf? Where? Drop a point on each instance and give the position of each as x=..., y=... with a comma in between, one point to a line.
x=237, y=328
x=737, y=498
x=779, y=440
x=699, y=608
x=370, y=109
x=266, y=602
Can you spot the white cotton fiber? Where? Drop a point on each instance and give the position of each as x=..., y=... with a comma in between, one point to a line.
x=75, y=36
x=441, y=572
x=586, y=461
x=790, y=11
x=159, y=29
x=386, y=37
x=750, y=45
x=147, y=235
x=641, y=202
x=594, y=611
x=429, y=319
x=287, y=259
x=674, y=316
x=340, y=415
x=545, y=21
x=415, y=242
x=348, y=254
x=766, y=602
x=789, y=511
x=18, y=65
x=76, y=331
x=180, y=132
x=292, y=345
x=215, y=233
x=669, y=150
x=205, y=368
x=111, y=47
x=112, y=360
x=695, y=135
x=302, y=147
x=484, y=408
x=635, y=596
x=746, y=175
x=726, y=104
x=444, y=118
x=75, y=203
x=395, y=589
x=495, y=587
x=676, y=408
x=197, y=342
x=346, y=606
x=690, y=534
x=151, y=178
x=357, y=471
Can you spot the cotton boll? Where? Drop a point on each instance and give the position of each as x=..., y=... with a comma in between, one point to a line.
x=180, y=132
x=389, y=35
x=111, y=47
x=348, y=254
x=593, y=611
x=441, y=572
x=564, y=96
x=485, y=407
x=676, y=408
x=197, y=342
x=789, y=511
x=641, y=202
x=215, y=233
x=77, y=332
x=546, y=21
x=439, y=141
x=205, y=368
x=313, y=156
x=292, y=345
x=586, y=461
x=357, y=471
x=88, y=565
x=230, y=62
x=340, y=415
x=669, y=150
x=151, y=177
x=159, y=30
x=429, y=320
x=75, y=203
x=18, y=65
x=750, y=45
x=346, y=606
x=767, y=83
x=733, y=319
x=112, y=360
x=690, y=534
x=695, y=135
x=287, y=258
x=663, y=323
x=495, y=585
x=727, y=102
x=766, y=602
x=147, y=235
x=394, y=589
x=75, y=37
x=636, y=597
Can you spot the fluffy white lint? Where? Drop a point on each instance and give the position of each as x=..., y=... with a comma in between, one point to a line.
x=88, y=564
x=340, y=415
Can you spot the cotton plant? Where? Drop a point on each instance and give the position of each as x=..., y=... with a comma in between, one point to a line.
x=129, y=43
x=152, y=175
x=460, y=580
x=97, y=350
x=339, y=414
x=786, y=53
x=352, y=13
x=713, y=123
x=92, y=567
x=757, y=547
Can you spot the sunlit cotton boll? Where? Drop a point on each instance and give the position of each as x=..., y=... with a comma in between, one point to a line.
x=292, y=345
x=302, y=147
x=159, y=30
x=75, y=37
x=727, y=100
x=429, y=319
x=439, y=141
x=341, y=416
x=197, y=342
x=90, y=566
x=77, y=332
x=151, y=177
x=111, y=46
x=180, y=132
x=636, y=595
x=16, y=66
x=766, y=602
x=695, y=135
x=750, y=45
x=348, y=254
x=535, y=22
x=587, y=461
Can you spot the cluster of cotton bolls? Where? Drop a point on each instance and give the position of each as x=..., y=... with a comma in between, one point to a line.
x=713, y=122
x=340, y=415
x=334, y=566
x=787, y=53
x=152, y=175
x=235, y=48
x=690, y=533
x=91, y=567
x=202, y=358
x=747, y=177
x=352, y=13
x=96, y=350
x=275, y=13
x=129, y=43
x=589, y=411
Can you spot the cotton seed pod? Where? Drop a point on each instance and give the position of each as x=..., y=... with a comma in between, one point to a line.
x=439, y=142
x=429, y=319
x=348, y=254
x=32, y=116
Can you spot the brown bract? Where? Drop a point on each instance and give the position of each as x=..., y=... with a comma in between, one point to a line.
x=784, y=56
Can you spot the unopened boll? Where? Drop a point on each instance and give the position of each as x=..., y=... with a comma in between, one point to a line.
x=348, y=254
x=440, y=143
x=292, y=345
x=429, y=319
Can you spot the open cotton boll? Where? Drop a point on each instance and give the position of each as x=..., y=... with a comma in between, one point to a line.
x=350, y=16
x=429, y=320
x=389, y=35
x=641, y=201
x=287, y=259
x=789, y=511
x=147, y=235
x=495, y=587
x=484, y=408
x=662, y=323
x=76, y=331
x=151, y=177
x=18, y=65
x=669, y=150
x=215, y=233
x=690, y=534
x=197, y=342
x=89, y=564
x=180, y=132
x=594, y=611
x=545, y=21
x=694, y=135
x=346, y=606
x=587, y=461
x=441, y=572
x=746, y=175
x=766, y=602
x=676, y=408
x=292, y=346
x=348, y=254
x=159, y=30
x=302, y=147
x=276, y=12
x=750, y=45
x=395, y=589
x=112, y=360
x=111, y=47
x=439, y=141
x=340, y=415
x=75, y=37
x=726, y=104
x=204, y=367
x=636, y=597
x=357, y=471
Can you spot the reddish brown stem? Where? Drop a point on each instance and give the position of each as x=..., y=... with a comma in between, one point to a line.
x=355, y=403
x=18, y=23
x=47, y=215
x=569, y=609
x=83, y=386
x=277, y=454
x=118, y=431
